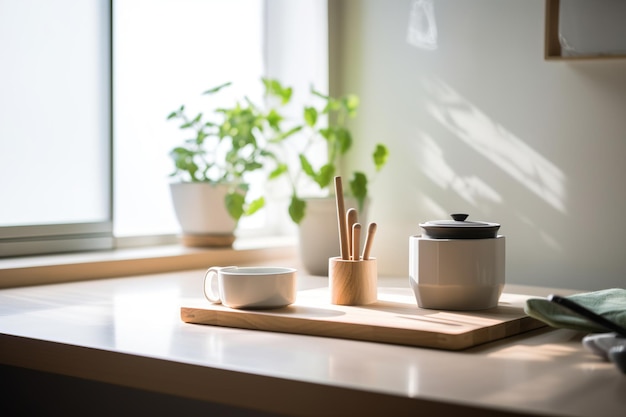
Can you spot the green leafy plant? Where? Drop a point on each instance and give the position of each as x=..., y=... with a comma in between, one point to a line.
x=325, y=122
x=222, y=149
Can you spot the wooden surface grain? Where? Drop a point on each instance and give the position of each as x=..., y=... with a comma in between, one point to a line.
x=394, y=318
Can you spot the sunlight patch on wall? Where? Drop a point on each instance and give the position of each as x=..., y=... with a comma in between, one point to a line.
x=422, y=30
x=470, y=188
x=496, y=143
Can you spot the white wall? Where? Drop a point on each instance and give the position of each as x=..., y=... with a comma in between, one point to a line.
x=484, y=125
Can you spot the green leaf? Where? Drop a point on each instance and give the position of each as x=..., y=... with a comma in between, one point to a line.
x=280, y=170
x=285, y=135
x=351, y=104
x=274, y=119
x=344, y=140
x=255, y=206
x=234, y=204
x=253, y=166
x=179, y=150
x=275, y=88
x=172, y=115
x=286, y=95
x=183, y=161
x=327, y=133
x=200, y=137
x=306, y=166
x=310, y=116
x=216, y=89
x=332, y=105
x=297, y=209
x=268, y=154
x=325, y=176
x=358, y=187
x=380, y=155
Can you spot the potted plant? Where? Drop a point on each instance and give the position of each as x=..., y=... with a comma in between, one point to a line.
x=323, y=121
x=210, y=166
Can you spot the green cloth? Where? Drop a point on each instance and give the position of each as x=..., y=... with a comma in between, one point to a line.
x=610, y=304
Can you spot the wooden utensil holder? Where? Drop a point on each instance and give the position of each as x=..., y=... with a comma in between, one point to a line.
x=352, y=282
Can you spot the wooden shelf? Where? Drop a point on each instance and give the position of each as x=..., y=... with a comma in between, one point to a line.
x=552, y=50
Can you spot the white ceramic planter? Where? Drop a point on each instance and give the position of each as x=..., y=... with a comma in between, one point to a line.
x=202, y=214
x=319, y=233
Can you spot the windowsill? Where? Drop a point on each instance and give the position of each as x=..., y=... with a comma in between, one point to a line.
x=49, y=269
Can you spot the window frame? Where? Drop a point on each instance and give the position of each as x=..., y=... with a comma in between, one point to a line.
x=55, y=238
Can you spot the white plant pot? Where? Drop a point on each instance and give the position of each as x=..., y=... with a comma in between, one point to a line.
x=202, y=214
x=319, y=233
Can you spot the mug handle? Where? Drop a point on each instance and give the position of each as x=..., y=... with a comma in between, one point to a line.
x=210, y=294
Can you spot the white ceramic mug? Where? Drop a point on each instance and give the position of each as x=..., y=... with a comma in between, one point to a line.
x=251, y=287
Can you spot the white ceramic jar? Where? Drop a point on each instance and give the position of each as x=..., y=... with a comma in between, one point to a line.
x=457, y=264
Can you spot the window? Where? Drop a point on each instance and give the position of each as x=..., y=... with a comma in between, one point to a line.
x=84, y=138
x=166, y=53
x=54, y=125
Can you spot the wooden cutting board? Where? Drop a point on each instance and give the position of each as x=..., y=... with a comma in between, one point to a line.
x=394, y=318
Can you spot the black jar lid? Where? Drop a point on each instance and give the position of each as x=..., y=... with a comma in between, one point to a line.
x=459, y=228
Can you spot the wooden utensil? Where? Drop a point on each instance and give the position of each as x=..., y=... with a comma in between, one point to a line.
x=351, y=219
x=369, y=240
x=341, y=218
x=356, y=241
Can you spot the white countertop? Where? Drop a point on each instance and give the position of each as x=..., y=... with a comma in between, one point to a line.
x=128, y=331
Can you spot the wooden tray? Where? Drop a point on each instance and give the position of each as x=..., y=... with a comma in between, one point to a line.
x=394, y=318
